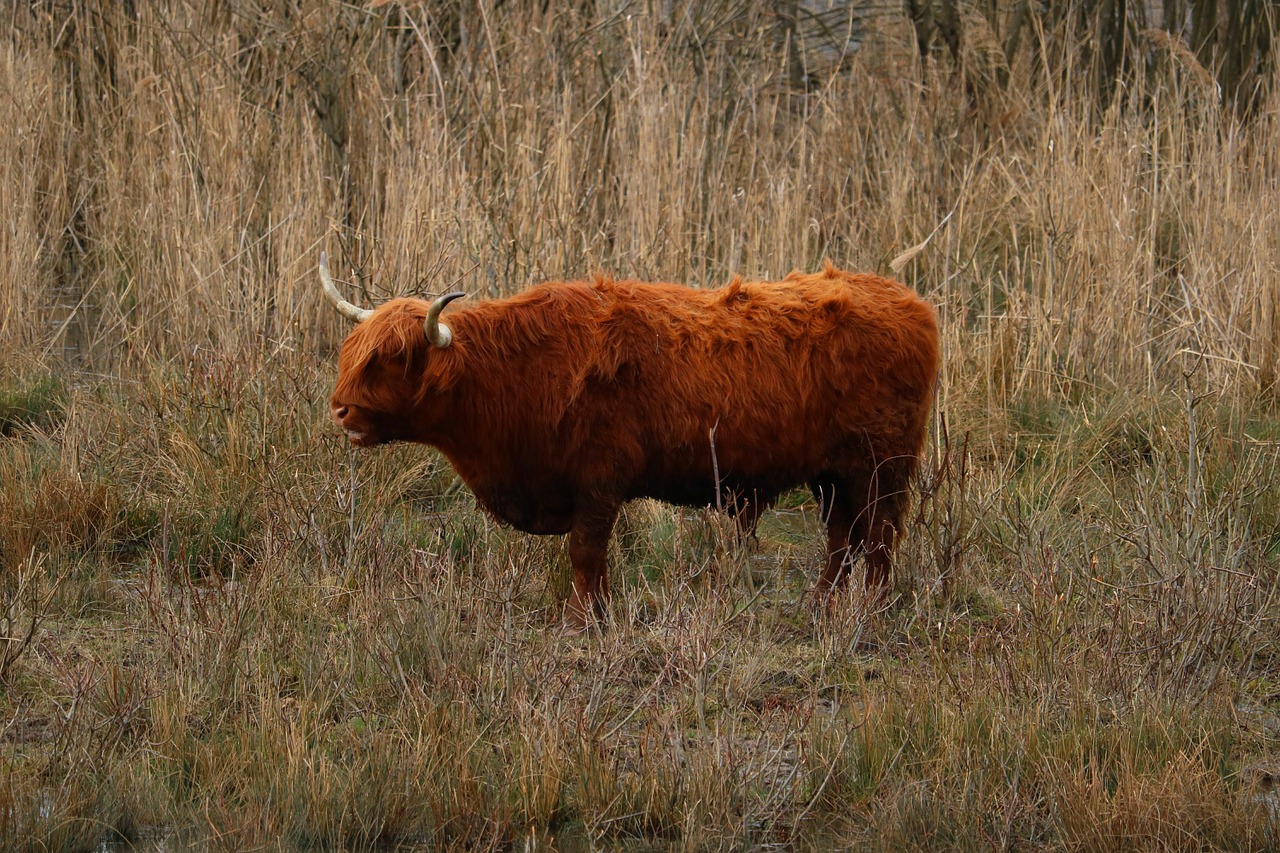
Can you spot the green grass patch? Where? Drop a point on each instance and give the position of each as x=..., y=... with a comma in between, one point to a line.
x=39, y=402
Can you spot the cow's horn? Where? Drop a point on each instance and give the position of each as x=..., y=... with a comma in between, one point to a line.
x=438, y=333
x=345, y=308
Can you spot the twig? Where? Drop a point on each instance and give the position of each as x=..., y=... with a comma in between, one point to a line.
x=715, y=464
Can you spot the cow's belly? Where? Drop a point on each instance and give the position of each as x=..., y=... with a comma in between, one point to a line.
x=682, y=476
x=541, y=512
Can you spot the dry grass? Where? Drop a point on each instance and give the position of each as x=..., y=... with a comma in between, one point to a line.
x=220, y=621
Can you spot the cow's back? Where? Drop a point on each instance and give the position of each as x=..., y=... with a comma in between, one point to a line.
x=768, y=383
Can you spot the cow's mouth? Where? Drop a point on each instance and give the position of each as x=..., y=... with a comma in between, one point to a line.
x=362, y=439
x=369, y=438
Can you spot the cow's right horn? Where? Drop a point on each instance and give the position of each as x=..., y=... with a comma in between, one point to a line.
x=438, y=333
x=345, y=308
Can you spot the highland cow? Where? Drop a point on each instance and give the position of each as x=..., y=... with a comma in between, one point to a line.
x=558, y=405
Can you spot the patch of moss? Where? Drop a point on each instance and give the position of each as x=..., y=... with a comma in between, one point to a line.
x=40, y=402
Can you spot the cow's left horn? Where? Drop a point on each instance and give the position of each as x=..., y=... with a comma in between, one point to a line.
x=345, y=308
x=438, y=333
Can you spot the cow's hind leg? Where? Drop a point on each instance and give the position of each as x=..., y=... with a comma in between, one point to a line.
x=589, y=554
x=862, y=513
x=886, y=503
x=845, y=518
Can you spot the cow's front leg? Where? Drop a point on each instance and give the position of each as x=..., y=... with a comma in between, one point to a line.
x=589, y=554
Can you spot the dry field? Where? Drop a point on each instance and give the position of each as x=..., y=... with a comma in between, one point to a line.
x=220, y=624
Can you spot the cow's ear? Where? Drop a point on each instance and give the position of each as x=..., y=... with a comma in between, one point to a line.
x=443, y=368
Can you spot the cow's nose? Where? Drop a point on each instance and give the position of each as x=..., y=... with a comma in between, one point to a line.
x=340, y=413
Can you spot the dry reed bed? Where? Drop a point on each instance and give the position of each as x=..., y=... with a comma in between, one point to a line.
x=227, y=623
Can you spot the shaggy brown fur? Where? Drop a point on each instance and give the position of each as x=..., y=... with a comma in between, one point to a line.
x=561, y=403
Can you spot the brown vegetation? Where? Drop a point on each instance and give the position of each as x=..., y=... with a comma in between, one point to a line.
x=219, y=620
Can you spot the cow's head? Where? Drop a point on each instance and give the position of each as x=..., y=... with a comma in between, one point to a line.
x=385, y=370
